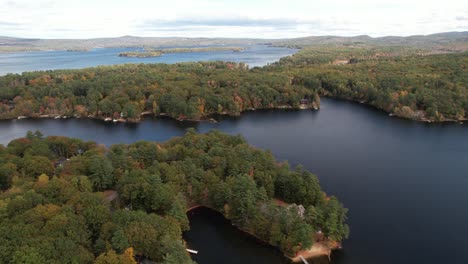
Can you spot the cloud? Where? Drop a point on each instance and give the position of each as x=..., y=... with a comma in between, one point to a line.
x=8, y=23
x=11, y=4
x=233, y=21
x=11, y=26
x=225, y=18
x=183, y=29
x=252, y=26
x=224, y=22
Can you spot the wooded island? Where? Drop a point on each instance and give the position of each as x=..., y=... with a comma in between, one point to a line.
x=140, y=54
x=148, y=53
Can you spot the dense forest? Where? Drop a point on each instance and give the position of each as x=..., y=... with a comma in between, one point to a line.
x=404, y=81
x=183, y=91
x=64, y=200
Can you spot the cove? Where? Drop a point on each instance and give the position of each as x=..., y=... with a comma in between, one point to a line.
x=404, y=182
x=237, y=246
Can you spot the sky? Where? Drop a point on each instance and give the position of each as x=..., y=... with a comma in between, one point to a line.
x=232, y=19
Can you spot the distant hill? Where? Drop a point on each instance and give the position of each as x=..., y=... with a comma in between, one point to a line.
x=456, y=41
x=8, y=44
x=417, y=40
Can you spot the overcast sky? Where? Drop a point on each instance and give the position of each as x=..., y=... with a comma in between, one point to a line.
x=220, y=18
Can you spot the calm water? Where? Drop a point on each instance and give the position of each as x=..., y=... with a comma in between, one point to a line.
x=405, y=183
x=206, y=223
x=257, y=55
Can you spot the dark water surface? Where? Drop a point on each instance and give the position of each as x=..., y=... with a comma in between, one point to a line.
x=405, y=183
x=17, y=62
x=225, y=243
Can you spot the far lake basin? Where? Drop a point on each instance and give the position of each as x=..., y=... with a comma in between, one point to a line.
x=17, y=62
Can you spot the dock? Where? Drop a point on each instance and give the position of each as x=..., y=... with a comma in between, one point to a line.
x=192, y=251
x=303, y=259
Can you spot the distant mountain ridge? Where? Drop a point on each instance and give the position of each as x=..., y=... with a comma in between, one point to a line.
x=30, y=44
x=415, y=40
x=10, y=44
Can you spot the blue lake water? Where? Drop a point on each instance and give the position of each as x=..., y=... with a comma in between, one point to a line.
x=405, y=183
x=254, y=55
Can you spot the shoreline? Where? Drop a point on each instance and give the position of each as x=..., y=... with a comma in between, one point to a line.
x=206, y=118
x=318, y=249
x=210, y=117
x=393, y=115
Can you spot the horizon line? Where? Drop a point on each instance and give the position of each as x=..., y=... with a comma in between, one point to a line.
x=180, y=37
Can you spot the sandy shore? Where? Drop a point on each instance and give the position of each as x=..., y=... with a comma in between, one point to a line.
x=317, y=250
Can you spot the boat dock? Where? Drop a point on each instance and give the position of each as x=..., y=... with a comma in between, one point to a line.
x=303, y=259
x=192, y=251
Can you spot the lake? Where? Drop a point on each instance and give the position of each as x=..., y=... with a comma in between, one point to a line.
x=17, y=62
x=405, y=183
x=226, y=244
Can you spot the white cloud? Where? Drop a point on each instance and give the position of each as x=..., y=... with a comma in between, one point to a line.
x=241, y=18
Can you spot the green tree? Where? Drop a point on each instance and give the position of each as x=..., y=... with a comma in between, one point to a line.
x=28, y=256
x=101, y=172
x=37, y=165
x=178, y=212
x=243, y=202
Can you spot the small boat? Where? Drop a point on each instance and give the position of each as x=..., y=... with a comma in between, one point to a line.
x=107, y=119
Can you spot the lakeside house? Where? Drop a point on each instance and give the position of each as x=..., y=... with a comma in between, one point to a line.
x=304, y=103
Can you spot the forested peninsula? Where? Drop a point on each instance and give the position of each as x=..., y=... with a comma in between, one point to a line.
x=417, y=84
x=64, y=200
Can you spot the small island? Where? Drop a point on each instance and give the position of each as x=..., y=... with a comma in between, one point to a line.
x=149, y=53
x=201, y=49
x=140, y=54
x=78, y=50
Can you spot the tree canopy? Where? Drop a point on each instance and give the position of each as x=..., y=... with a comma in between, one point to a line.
x=128, y=202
